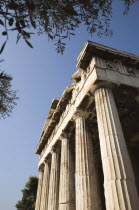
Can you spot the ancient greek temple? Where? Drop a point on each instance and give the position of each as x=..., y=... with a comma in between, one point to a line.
x=89, y=146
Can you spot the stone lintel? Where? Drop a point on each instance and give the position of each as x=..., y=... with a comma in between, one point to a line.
x=63, y=99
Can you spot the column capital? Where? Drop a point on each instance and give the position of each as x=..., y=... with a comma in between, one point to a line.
x=64, y=135
x=102, y=84
x=47, y=160
x=41, y=168
x=54, y=149
x=80, y=114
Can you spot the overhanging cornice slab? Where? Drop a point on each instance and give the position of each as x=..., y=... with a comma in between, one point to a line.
x=91, y=49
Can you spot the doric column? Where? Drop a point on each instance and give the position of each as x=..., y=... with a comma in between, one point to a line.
x=87, y=188
x=45, y=186
x=54, y=182
x=119, y=183
x=39, y=190
x=66, y=190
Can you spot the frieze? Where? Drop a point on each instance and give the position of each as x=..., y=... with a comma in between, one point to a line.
x=132, y=70
x=118, y=66
x=113, y=65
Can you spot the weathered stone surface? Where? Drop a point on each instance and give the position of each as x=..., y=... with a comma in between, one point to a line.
x=97, y=66
x=105, y=64
x=87, y=187
x=54, y=183
x=39, y=191
x=66, y=189
x=45, y=187
x=119, y=183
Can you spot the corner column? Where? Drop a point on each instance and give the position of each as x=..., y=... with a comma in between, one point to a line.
x=54, y=182
x=45, y=186
x=87, y=188
x=119, y=183
x=39, y=190
x=66, y=190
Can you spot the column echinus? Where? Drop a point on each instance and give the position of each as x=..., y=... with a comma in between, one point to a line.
x=39, y=190
x=45, y=186
x=66, y=189
x=87, y=188
x=54, y=182
x=119, y=183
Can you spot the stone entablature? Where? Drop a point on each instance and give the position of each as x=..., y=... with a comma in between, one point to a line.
x=98, y=50
x=54, y=117
x=100, y=69
x=83, y=136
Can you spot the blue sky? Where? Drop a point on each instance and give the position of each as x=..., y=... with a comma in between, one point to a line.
x=40, y=75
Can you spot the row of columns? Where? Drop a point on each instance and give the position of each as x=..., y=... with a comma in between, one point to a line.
x=59, y=193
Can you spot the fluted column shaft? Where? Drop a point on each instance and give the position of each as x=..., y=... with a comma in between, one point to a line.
x=87, y=189
x=119, y=183
x=39, y=191
x=45, y=187
x=54, y=183
x=66, y=190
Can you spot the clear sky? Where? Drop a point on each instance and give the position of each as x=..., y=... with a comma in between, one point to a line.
x=40, y=75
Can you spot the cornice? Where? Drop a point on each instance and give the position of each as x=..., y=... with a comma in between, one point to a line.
x=91, y=49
